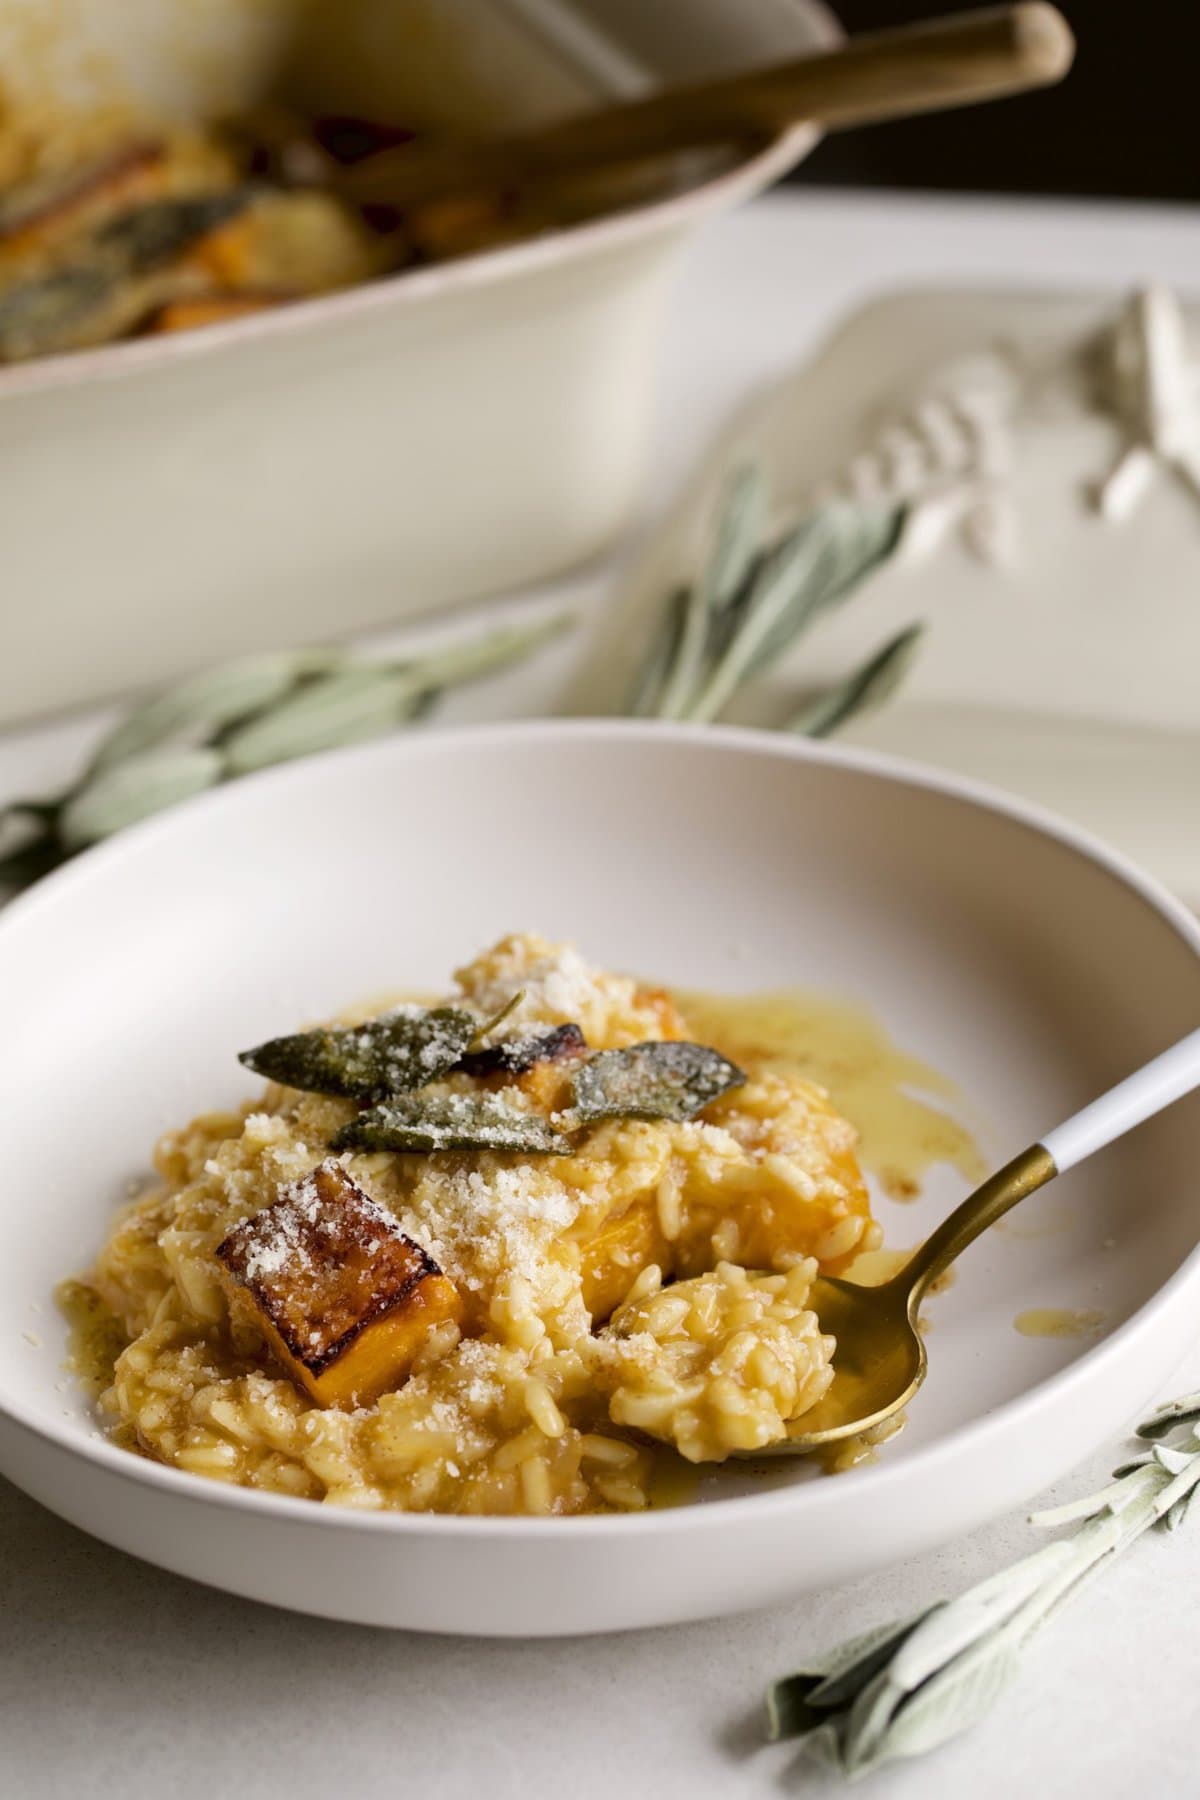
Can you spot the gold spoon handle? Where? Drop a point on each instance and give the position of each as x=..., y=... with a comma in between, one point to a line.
x=998, y=1195
x=1159, y=1083
x=881, y=75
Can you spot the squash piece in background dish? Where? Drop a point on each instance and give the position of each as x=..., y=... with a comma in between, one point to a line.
x=46, y=216
x=190, y=313
x=290, y=244
x=345, y=1300
x=38, y=214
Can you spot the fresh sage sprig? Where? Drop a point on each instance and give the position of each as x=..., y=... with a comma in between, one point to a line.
x=908, y=1688
x=868, y=687
x=753, y=599
x=243, y=716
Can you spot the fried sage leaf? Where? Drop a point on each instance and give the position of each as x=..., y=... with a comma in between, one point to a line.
x=451, y=1122
x=391, y=1055
x=517, y=1055
x=652, y=1081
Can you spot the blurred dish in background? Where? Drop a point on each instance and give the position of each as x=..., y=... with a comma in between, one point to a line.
x=309, y=469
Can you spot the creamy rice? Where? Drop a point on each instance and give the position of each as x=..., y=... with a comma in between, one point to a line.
x=526, y=1407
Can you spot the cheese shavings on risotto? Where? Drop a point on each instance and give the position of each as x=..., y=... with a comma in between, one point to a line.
x=481, y=1254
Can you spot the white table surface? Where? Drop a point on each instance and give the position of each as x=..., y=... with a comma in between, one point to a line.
x=118, y=1679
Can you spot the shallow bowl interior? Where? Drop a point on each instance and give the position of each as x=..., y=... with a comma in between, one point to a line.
x=1005, y=951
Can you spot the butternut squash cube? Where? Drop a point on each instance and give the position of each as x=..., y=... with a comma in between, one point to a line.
x=343, y=1298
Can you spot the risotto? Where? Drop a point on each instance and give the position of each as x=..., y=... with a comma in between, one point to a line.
x=472, y=1257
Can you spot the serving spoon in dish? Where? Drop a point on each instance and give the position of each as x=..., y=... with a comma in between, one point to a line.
x=880, y=1359
x=944, y=62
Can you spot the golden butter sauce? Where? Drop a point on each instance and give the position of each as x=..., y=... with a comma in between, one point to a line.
x=1058, y=1322
x=889, y=1095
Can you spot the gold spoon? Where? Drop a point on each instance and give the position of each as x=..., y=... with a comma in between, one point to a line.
x=944, y=62
x=879, y=1362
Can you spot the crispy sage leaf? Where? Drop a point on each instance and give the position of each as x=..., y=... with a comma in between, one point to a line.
x=869, y=687
x=451, y=1122
x=517, y=1055
x=652, y=1081
x=485, y=1030
x=392, y=1055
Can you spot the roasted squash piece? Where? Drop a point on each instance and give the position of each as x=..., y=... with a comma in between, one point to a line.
x=617, y=1252
x=343, y=1298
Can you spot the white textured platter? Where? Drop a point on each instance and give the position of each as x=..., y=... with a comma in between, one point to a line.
x=1063, y=666
x=993, y=941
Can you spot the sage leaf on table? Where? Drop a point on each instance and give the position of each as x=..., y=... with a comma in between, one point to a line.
x=125, y=792
x=347, y=706
x=868, y=688
x=647, y=695
x=907, y=1688
x=211, y=701
x=752, y=601
x=229, y=721
x=738, y=535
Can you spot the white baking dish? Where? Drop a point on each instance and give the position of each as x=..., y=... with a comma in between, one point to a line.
x=378, y=452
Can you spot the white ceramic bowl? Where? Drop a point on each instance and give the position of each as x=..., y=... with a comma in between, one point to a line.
x=995, y=942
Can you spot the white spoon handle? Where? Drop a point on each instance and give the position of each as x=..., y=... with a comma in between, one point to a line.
x=1175, y=1073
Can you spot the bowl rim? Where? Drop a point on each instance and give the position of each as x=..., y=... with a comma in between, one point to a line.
x=883, y=1478
x=626, y=228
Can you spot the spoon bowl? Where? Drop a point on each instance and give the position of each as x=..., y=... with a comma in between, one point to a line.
x=880, y=1361
x=879, y=1355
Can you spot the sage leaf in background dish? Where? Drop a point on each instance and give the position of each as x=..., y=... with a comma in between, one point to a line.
x=390, y=1055
x=348, y=706
x=652, y=1081
x=39, y=316
x=133, y=790
x=818, y=564
x=120, y=272
x=868, y=688
x=144, y=237
x=212, y=701
x=429, y=1122
x=740, y=526
x=905, y=1689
